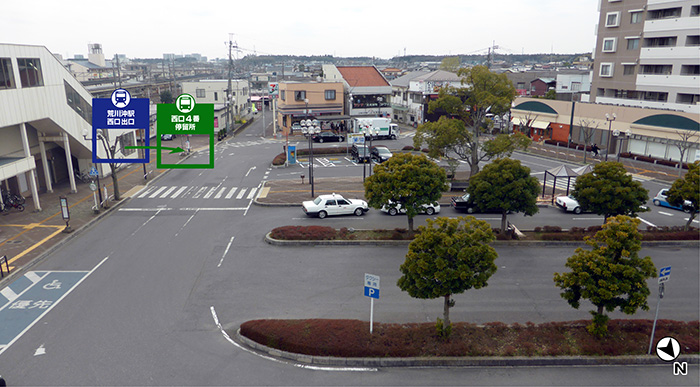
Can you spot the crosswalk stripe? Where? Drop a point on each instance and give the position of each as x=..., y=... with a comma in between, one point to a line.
x=221, y=192
x=241, y=193
x=252, y=193
x=9, y=294
x=178, y=192
x=199, y=193
x=145, y=193
x=168, y=192
x=158, y=191
x=32, y=276
x=211, y=192
x=229, y=195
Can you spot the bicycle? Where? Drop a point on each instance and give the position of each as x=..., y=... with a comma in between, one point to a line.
x=83, y=177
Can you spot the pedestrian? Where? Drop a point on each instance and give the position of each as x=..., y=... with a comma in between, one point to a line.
x=595, y=150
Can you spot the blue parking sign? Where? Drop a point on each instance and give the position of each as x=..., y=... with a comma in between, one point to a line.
x=371, y=292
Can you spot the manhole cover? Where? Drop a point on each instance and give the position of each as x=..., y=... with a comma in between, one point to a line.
x=13, y=242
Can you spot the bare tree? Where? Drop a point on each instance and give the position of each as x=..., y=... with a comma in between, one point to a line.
x=686, y=142
x=525, y=123
x=588, y=127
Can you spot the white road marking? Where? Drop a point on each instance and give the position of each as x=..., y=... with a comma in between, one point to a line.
x=221, y=192
x=647, y=222
x=304, y=366
x=211, y=192
x=40, y=351
x=183, y=226
x=145, y=193
x=241, y=193
x=144, y=209
x=229, y=195
x=32, y=276
x=251, y=168
x=168, y=192
x=226, y=251
x=585, y=218
x=252, y=193
x=178, y=192
x=214, y=209
x=158, y=191
x=9, y=294
x=665, y=213
x=199, y=193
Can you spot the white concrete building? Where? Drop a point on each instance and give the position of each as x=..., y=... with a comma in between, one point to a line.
x=214, y=91
x=412, y=92
x=43, y=113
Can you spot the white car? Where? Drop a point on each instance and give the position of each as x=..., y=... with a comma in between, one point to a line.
x=568, y=204
x=334, y=204
x=429, y=209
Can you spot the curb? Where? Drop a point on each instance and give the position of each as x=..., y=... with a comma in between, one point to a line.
x=455, y=361
x=279, y=242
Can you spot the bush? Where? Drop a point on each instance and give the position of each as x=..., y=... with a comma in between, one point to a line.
x=280, y=159
x=425, y=150
x=407, y=148
x=551, y=229
x=667, y=163
x=304, y=233
x=594, y=229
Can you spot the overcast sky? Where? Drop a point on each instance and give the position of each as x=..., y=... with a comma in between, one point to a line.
x=379, y=28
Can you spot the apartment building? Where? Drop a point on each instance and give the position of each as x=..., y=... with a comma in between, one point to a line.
x=648, y=54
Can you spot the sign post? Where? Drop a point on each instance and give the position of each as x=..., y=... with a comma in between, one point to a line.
x=371, y=291
x=664, y=276
x=65, y=213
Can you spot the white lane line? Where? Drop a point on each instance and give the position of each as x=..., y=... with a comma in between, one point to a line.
x=211, y=192
x=226, y=251
x=241, y=193
x=252, y=193
x=647, y=222
x=144, y=209
x=304, y=366
x=214, y=209
x=218, y=194
x=146, y=222
x=665, y=213
x=191, y=189
x=9, y=294
x=178, y=192
x=229, y=195
x=585, y=218
x=158, y=191
x=183, y=226
x=168, y=192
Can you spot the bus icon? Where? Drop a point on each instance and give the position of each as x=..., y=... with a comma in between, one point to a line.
x=185, y=103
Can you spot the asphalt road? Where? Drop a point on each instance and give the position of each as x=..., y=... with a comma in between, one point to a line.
x=155, y=269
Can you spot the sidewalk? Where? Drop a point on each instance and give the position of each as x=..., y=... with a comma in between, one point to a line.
x=25, y=236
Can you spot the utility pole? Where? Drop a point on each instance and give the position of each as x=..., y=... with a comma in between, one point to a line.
x=119, y=71
x=229, y=90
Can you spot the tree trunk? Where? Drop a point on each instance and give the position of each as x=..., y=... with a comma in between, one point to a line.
x=410, y=223
x=475, y=154
x=446, y=312
x=504, y=222
x=691, y=216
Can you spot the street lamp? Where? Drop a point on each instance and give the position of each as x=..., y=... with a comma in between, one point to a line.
x=610, y=119
x=309, y=129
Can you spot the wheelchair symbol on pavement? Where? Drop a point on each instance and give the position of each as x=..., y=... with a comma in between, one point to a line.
x=53, y=285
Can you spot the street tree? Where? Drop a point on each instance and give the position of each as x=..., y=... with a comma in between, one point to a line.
x=405, y=180
x=685, y=192
x=465, y=110
x=611, y=275
x=609, y=191
x=505, y=186
x=166, y=96
x=588, y=128
x=448, y=256
x=687, y=140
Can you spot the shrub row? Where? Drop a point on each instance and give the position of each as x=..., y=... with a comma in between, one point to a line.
x=351, y=338
x=313, y=233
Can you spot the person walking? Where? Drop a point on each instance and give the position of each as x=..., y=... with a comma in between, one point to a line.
x=595, y=150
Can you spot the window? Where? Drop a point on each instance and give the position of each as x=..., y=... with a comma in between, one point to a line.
x=656, y=69
x=689, y=99
x=692, y=40
x=612, y=19
x=635, y=17
x=77, y=103
x=609, y=44
x=628, y=69
x=667, y=41
x=200, y=93
x=633, y=44
x=30, y=72
x=299, y=95
x=690, y=70
x=330, y=95
x=282, y=94
x=668, y=13
x=216, y=96
x=695, y=10
x=606, y=69
x=7, y=79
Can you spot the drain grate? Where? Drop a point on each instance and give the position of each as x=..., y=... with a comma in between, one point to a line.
x=13, y=242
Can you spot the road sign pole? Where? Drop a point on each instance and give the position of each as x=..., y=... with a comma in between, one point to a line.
x=371, y=314
x=653, y=329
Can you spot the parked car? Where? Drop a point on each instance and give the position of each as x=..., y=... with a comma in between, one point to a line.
x=568, y=204
x=334, y=204
x=464, y=204
x=296, y=128
x=328, y=137
x=360, y=153
x=167, y=137
x=428, y=209
x=380, y=153
x=661, y=199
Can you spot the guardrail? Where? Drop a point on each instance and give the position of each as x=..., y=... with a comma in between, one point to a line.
x=7, y=266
